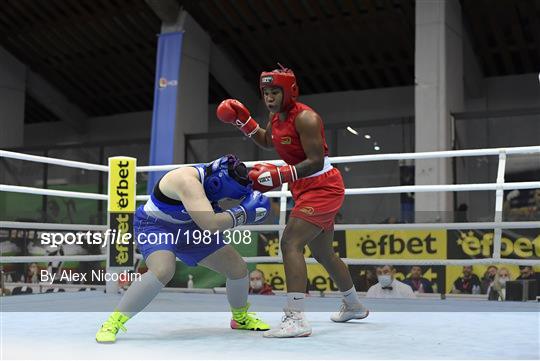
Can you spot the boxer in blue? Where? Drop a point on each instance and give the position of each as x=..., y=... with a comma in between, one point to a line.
x=182, y=219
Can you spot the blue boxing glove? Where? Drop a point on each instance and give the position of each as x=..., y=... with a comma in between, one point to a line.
x=252, y=210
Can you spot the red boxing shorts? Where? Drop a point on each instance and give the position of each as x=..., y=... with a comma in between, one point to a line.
x=318, y=199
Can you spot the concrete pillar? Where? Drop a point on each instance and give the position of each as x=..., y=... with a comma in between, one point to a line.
x=192, y=106
x=12, y=99
x=438, y=92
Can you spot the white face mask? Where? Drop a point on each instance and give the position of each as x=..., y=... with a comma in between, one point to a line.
x=503, y=280
x=385, y=280
x=256, y=285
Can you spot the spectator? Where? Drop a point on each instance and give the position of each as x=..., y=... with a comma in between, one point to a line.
x=461, y=214
x=388, y=286
x=367, y=279
x=390, y=220
x=32, y=273
x=526, y=273
x=469, y=283
x=418, y=283
x=487, y=279
x=258, y=285
x=497, y=289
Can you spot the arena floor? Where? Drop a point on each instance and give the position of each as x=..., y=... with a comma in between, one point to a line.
x=62, y=326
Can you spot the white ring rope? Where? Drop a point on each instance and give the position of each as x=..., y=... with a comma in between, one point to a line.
x=414, y=189
x=400, y=226
x=38, y=259
x=53, y=226
x=270, y=259
x=52, y=192
x=407, y=262
x=55, y=161
x=380, y=157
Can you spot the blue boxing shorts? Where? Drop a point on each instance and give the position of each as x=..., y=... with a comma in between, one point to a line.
x=184, y=240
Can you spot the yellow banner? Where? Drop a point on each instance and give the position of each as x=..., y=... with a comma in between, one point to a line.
x=122, y=179
x=381, y=244
x=317, y=277
x=481, y=245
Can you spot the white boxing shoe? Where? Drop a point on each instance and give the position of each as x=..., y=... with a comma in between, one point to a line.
x=350, y=312
x=293, y=324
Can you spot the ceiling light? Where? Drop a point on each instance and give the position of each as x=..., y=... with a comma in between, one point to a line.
x=352, y=130
x=367, y=136
x=377, y=147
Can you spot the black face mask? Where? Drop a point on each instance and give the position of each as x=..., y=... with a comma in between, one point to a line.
x=238, y=171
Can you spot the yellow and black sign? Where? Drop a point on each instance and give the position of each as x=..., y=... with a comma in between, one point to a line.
x=318, y=278
x=382, y=244
x=122, y=182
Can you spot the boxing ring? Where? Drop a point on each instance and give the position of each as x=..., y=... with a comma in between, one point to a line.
x=170, y=328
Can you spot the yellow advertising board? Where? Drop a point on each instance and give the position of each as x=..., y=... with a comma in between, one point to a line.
x=396, y=244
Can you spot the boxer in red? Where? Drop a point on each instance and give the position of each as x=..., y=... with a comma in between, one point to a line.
x=296, y=132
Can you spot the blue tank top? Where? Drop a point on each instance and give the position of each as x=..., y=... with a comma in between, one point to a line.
x=171, y=210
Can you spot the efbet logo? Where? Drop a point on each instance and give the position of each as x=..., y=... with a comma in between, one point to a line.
x=391, y=244
x=267, y=79
x=482, y=245
x=122, y=187
x=272, y=247
x=286, y=140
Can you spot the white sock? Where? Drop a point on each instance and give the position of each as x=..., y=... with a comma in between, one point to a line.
x=237, y=291
x=350, y=296
x=295, y=301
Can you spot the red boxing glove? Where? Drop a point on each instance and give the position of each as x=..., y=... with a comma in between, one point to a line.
x=267, y=176
x=232, y=111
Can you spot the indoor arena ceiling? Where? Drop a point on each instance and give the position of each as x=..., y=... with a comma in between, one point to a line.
x=101, y=53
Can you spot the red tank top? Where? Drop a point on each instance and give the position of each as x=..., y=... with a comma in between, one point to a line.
x=287, y=140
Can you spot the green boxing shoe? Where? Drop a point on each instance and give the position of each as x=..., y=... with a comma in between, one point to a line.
x=244, y=320
x=107, y=332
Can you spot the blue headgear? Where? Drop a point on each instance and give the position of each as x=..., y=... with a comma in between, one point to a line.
x=226, y=177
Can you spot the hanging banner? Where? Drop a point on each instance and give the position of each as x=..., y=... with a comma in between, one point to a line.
x=169, y=55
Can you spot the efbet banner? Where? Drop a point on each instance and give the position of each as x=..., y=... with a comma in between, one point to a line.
x=390, y=244
x=318, y=278
x=520, y=244
x=122, y=183
x=473, y=244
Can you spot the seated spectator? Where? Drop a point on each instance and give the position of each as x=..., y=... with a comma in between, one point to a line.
x=487, y=279
x=469, y=283
x=367, y=279
x=497, y=289
x=388, y=286
x=32, y=273
x=258, y=285
x=418, y=283
x=527, y=273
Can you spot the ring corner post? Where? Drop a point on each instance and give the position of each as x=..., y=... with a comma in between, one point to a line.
x=121, y=209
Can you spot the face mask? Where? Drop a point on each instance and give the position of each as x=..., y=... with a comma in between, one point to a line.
x=256, y=285
x=502, y=281
x=385, y=280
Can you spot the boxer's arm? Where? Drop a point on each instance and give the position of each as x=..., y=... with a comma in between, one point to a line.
x=308, y=125
x=263, y=137
x=191, y=193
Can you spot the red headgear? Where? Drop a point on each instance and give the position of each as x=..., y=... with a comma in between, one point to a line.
x=285, y=79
